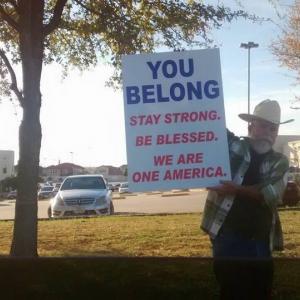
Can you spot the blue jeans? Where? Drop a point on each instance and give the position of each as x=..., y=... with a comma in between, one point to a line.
x=243, y=267
x=231, y=245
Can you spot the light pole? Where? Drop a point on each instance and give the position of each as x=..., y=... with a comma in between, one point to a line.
x=72, y=156
x=248, y=46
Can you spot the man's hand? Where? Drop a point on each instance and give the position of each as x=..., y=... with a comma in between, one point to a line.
x=226, y=188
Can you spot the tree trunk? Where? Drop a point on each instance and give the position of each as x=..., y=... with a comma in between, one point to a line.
x=25, y=227
x=31, y=48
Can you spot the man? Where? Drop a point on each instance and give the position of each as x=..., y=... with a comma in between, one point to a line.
x=241, y=216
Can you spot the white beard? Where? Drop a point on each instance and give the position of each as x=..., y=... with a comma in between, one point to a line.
x=260, y=146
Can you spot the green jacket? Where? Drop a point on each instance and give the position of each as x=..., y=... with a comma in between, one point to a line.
x=273, y=172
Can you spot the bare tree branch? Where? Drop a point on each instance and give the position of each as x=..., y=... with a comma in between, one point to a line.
x=58, y=9
x=14, y=85
x=86, y=8
x=9, y=19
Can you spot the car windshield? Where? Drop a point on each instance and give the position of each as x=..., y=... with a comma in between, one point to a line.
x=47, y=188
x=83, y=183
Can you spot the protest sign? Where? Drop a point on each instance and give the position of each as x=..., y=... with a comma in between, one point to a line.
x=174, y=120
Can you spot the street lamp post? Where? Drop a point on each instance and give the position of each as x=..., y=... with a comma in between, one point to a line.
x=72, y=156
x=248, y=46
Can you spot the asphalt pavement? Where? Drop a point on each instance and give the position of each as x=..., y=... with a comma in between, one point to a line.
x=190, y=201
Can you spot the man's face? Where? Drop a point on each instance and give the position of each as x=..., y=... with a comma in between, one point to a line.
x=263, y=135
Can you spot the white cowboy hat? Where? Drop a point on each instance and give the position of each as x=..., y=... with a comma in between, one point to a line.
x=268, y=110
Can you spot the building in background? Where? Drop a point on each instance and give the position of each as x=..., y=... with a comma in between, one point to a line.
x=124, y=169
x=110, y=173
x=287, y=144
x=295, y=156
x=6, y=164
x=59, y=172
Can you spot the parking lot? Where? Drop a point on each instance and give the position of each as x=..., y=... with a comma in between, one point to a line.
x=140, y=203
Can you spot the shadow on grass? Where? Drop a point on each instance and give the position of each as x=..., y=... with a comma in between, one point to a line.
x=126, y=278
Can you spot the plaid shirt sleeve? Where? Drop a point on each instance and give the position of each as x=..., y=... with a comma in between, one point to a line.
x=274, y=173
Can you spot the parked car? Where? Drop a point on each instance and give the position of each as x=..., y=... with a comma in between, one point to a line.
x=57, y=185
x=123, y=188
x=114, y=187
x=45, y=192
x=12, y=195
x=56, y=189
x=291, y=196
x=82, y=195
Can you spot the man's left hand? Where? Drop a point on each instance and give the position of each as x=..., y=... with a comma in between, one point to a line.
x=225, y=188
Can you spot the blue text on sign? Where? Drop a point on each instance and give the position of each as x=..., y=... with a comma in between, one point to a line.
x=177, y=91
x=170, y=68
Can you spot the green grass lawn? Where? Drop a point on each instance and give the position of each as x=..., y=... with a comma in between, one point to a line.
x=130, y=257
x=155, y=235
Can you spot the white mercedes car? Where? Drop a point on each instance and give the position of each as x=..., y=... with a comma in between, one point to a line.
x=81, y=195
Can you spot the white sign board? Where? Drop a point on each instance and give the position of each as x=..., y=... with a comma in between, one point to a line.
x=174, y=119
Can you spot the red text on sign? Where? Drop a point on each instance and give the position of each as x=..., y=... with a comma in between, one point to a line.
x=186, y=137
x=180, y=174
x=143, y=140
x=145, y=176
x=194, y=116
x=144, y=119
x=190, y=158
x=161, y=160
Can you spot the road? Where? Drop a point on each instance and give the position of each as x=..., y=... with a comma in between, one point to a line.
x=150, y=203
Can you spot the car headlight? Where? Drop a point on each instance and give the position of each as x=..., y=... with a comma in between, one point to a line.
x=59, y=200
x=101, y=200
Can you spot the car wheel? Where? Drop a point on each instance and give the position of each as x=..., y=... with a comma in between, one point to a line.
x=112, y=209
x=49, y=212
